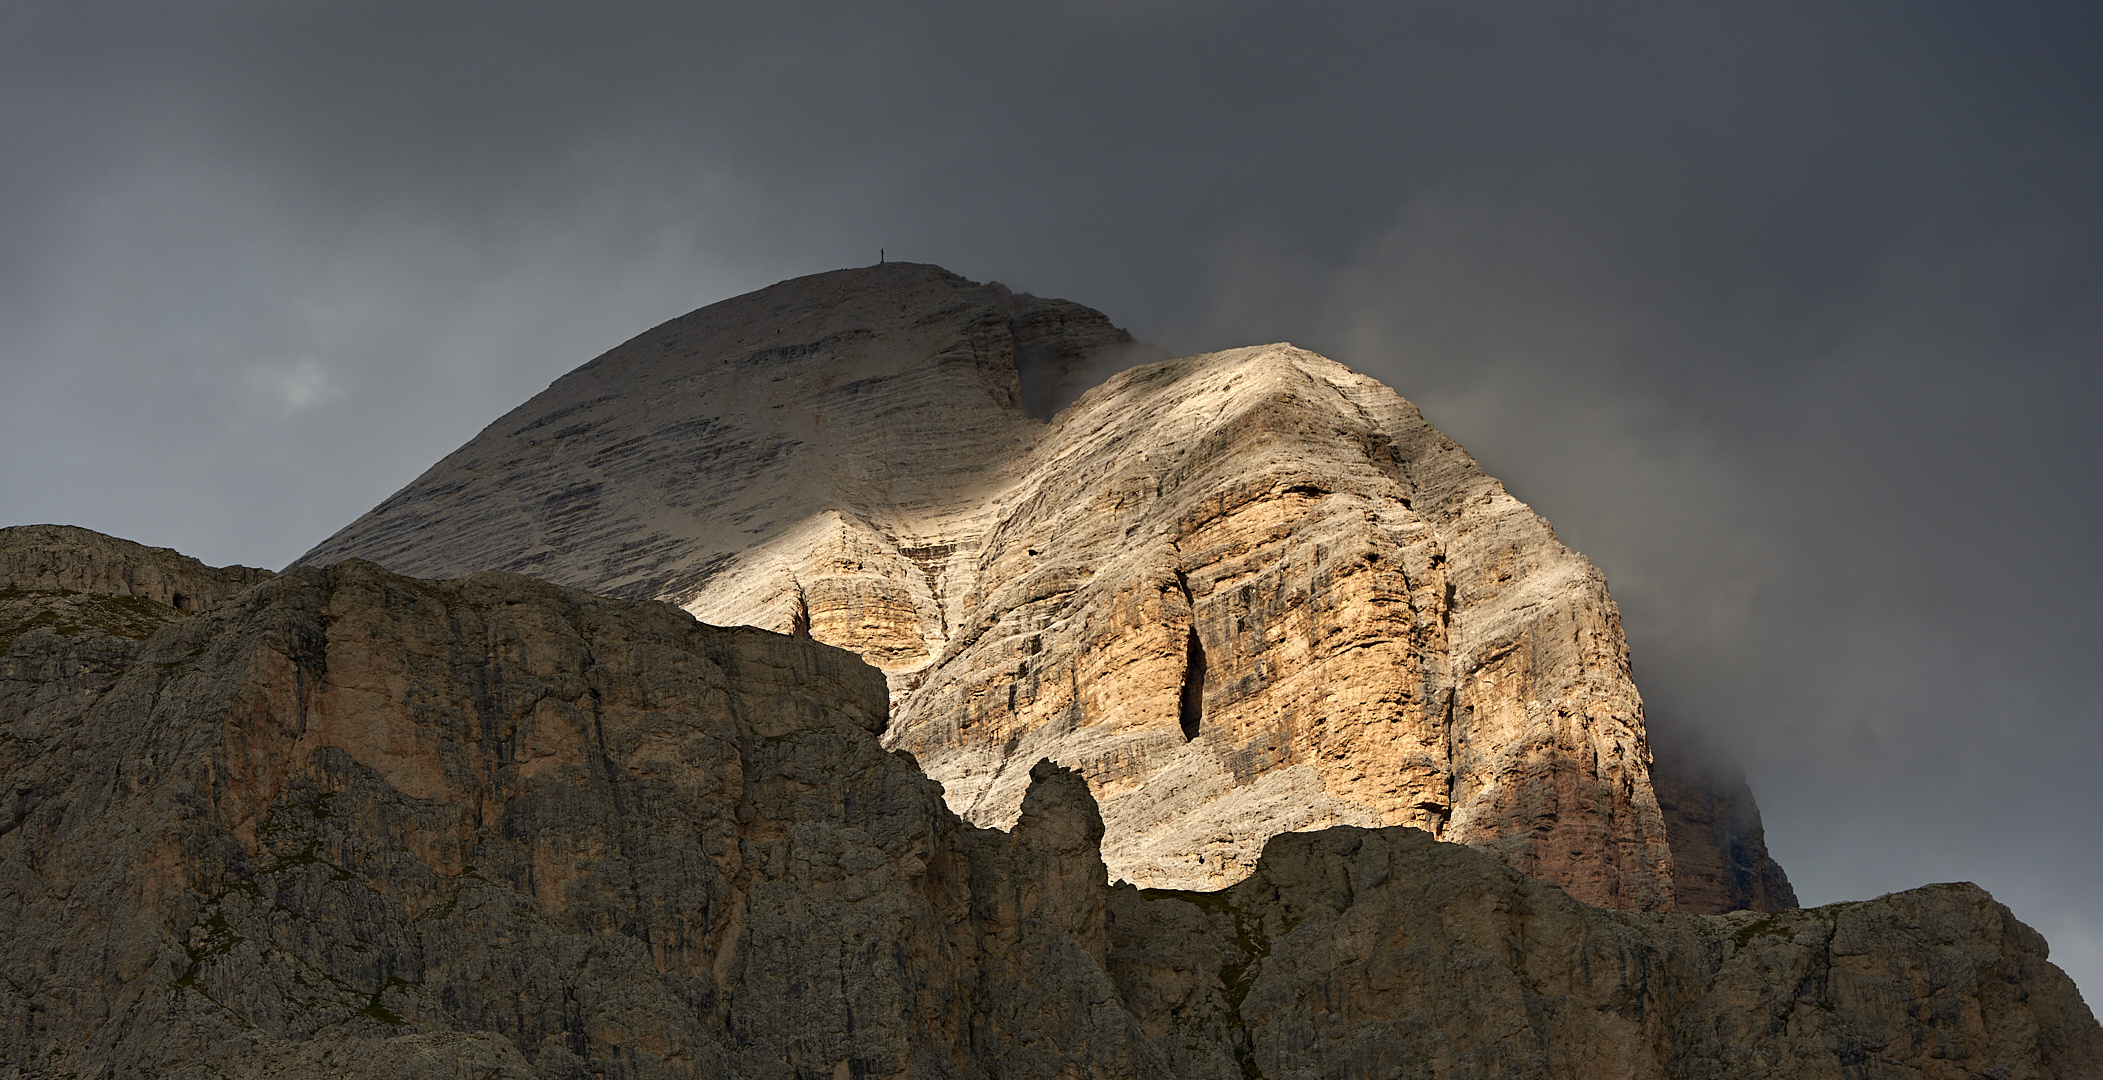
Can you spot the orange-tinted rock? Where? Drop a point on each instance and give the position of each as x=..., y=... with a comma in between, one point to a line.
x=1245, y=593
x=1382, y=636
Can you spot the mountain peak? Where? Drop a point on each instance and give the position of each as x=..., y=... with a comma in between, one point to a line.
x=878, y=388
x=1243, y=593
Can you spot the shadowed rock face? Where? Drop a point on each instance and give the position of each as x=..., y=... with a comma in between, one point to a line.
x=1719, y=849
x=86, y=602
x=67, y=558
x=1244, y=593
x=348, y=806
x=1356, y=952
x=351, y=824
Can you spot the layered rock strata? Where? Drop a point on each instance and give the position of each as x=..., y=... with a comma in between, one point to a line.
x=351, y=824
x=1245, y=593
x=67, y=558
x=1253, y=592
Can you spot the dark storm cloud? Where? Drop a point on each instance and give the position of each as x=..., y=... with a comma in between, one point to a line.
x=1788, y=316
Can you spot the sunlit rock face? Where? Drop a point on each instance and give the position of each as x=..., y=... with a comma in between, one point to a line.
x=1253, y=592
x=1244, y=593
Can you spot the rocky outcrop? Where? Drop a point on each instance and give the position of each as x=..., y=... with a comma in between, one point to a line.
x=1356, y=952
x=353, y=824
x=1719, y=849
x=1245, y=593
x=67, y=558
x=348, y=808
x=86, y=602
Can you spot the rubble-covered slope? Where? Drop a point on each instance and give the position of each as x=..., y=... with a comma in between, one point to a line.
x=352, y=824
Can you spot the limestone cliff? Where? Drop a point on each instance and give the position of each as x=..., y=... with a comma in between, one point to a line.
x=351, y=824
x=1367, y=953
x=1254, y=592
x=1245, y=593
x=96, y=598
x=44, y=558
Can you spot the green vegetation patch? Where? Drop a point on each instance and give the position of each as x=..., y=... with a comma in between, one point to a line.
x=380, y=1012
x=68, y=613
x=1235, y=979
x=1776, y=925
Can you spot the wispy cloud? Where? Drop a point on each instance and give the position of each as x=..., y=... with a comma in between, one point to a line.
x=293, y=387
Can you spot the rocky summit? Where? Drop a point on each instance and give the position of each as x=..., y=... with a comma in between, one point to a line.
x=1244, y=593
x=344, y=823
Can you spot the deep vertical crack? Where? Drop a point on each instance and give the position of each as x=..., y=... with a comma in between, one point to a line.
x=1190, y=707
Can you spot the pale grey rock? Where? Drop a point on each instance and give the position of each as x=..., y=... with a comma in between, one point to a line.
x=880, y=391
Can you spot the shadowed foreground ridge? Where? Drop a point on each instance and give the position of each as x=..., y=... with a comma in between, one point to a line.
x=351, y=824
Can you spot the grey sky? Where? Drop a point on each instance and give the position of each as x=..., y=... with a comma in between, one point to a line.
x=1789, y=316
